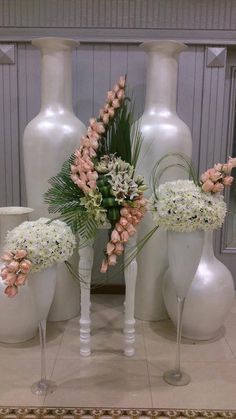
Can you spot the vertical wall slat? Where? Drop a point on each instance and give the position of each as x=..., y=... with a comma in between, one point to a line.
x=3, y=199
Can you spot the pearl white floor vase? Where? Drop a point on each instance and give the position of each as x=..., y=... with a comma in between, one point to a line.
x=164, y=132
x=52, y=136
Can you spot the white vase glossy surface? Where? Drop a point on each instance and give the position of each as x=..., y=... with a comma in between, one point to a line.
x=209, y=299
x=49, y=139
x=164, y=132
x=18, y=322
x=42, y=285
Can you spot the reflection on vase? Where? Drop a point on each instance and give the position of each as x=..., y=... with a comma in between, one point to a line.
x=42, y=285
x=18, y=321
x=183, y=258
x=163, y=132
x=209, y=299
x=52, y=136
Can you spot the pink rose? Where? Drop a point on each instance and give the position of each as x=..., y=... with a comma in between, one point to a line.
x=104, y=267
x=123, y=221
x=122, y=81
x=99, y=128
x=120, y=94
x=101, y=113
x=115, y=237
x=119, y=228
x=218, y=167
x=106, y=107
x=124, y=212
x=226, y=168
x=94, y=144
x=74, y=178
x=135, y=221
x=125, y=236
x=11, y=291
x=207, y=186
x=92, y=121
x=92, y=184
x=131, y=229
x=92, y=175
x=111, y=95
x=232, y=161
x=110, y=248
x=111, y=112
x=112, y=260
x=215, y=176
x=20, y=280
x=25, y=266
x=13, y=266
x=73, y=169
x=116, y=88
x=92, y=152
x=7, y=256
x=228, y=180
x=105, y=118
x=119, y=249
x=205, y=176
x=20, y=254
x=10, y=279
x=116, y=103
x=218, y=187
x=4, y=273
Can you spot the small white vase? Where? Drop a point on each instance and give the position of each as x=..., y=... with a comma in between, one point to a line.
x=42, y=285
x=209, y=299
x=18, y=321
x=49, y=139
x=163, y=132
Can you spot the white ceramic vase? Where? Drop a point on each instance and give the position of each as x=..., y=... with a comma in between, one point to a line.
x=49, y=139
x=209, y=299
x=164, y=132
x=18, y=320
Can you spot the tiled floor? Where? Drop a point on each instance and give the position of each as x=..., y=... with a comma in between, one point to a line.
x=108, y=379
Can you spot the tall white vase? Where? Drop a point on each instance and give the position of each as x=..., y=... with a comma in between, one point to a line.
x=164, y=132
x=18, y=321
x=209, y=299
x=49, y=139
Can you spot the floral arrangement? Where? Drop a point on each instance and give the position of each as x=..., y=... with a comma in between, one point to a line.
x=187, y=205
x=97, y=185
x=32, y=246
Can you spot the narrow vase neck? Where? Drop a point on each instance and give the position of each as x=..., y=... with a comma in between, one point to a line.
x=208, y=250
x=162, y=72
x=56, y=80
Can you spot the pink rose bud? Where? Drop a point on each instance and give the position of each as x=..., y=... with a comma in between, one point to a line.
x=74, y=178
x=105, y=118
x=115, y=237
x=122, y=82
x=116, y=103
x=228, y=180
x=25, y=266
x=218, y=167
x=92, y=184
x=232, y=161
x=20, y=254
x=20, y=280
x=104, y=267
x=112, y=260
x=143, y=202
x=131, y=229
x=119, y=228
x=207, y=186
x=123, y=221
x=218, y=187
x=125, y=236
x=101, y=113
x=11, y=291
x=119, y=249
x=92, y=152
x=4, y=273
x=7, y=256
x=77, y=152
x=106, y=107
x=13, y=266
x=73, y=169
x=10, y=279
x=124, y=212
x=110, y=248
x=94, y=144
x=92, y=121
x=116, y=88
x=215, y=176
x=111, y=95
x=226, y=168
x=135, y=221
x=111, y=112
x=204, y=177
x=120, y=94
x=99, y=128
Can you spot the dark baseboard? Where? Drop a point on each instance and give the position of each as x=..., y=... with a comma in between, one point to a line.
x=110, y=289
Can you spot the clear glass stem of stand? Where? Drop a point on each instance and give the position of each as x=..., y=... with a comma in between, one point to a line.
x=42, y=336
x=181, y=302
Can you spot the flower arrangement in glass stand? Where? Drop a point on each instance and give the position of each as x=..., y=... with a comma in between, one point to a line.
x=97, y=185
x=185, y=208
x=32, y=247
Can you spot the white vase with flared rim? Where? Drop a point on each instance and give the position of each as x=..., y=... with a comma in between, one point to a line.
x=18, y=320
x=49, y=140
x=209, y=299
x=163, y=132
x=183, y=257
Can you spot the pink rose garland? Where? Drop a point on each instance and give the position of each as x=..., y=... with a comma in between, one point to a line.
x=215, y=179
x=15, y=270
x=83, y=173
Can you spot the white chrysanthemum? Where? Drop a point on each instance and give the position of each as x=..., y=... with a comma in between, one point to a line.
x=45, y=243
x=182, y=206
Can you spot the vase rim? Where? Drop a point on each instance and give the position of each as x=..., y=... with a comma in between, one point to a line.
x=15, y=210
x=164, y=45
x=55, y=43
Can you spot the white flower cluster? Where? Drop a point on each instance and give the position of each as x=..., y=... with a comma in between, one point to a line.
x=182, y=206
x=120, y=176
x=45, y=243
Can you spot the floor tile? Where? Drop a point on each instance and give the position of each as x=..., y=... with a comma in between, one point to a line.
x=212, y=386
x=107, y=383
x=160, y=338
x=17, y=376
